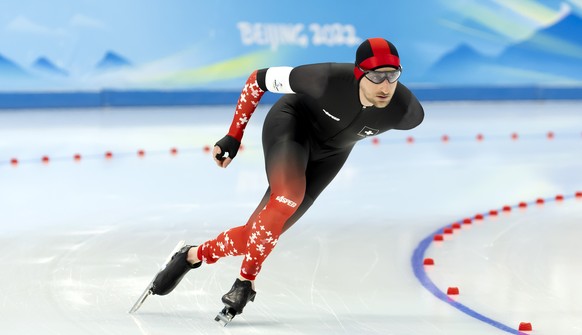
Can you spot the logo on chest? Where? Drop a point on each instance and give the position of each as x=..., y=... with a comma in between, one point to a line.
x=367, y=131
x=333, y=117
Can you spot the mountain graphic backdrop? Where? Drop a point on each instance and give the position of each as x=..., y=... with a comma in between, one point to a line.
x=44, y=74
x=112, y=61
x=45, y=66
x=549, y=56
x=552, y=54
x=10, y=70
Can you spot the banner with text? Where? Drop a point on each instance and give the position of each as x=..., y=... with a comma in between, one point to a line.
x=214, y=45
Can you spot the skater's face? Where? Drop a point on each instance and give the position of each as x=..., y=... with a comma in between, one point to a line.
x=379, y=94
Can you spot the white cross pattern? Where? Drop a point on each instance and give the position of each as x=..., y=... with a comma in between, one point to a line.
x=367, y=131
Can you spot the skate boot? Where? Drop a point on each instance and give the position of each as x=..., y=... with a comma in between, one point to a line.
x=235, y=301
x=167, y=279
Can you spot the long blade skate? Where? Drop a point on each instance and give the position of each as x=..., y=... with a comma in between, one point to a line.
x=148, y=291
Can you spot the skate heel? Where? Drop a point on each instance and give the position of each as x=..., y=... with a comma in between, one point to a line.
x=235, y=301
x=171, y=275
x=148, y=291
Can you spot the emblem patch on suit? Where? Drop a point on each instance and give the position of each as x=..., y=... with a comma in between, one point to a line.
x=367, y=131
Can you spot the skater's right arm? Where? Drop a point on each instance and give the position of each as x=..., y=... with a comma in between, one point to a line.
x=226, y=149
x=307, y=78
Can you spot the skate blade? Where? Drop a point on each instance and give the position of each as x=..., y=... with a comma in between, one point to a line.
x=225, y=316
x=148, y=291
x=140, y=300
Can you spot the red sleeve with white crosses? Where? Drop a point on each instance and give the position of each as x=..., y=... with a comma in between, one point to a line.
x=247, y=103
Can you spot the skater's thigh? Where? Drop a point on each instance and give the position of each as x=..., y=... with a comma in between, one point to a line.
x=286, y=150
x=319, y=174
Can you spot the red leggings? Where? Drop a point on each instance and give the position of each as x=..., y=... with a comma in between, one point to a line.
x=255, y=240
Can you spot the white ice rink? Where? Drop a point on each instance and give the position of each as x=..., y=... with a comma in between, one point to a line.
x=79, y=240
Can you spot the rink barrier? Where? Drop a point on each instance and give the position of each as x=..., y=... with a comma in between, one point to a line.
x=420, y=262
x=445, y=139
x=145, y=98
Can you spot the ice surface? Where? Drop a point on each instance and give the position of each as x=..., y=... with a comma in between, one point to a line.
x=80, y=240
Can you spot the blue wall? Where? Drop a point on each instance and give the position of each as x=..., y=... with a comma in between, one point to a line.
x=126, y=98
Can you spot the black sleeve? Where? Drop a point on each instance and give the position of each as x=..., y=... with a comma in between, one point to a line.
x=310, y=79
x=414, y=112
x=261, y=78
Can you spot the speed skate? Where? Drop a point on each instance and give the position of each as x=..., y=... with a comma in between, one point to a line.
x=235, y=301
x=148, y=291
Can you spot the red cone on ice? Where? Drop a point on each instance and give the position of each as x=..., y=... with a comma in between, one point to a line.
x=525, y=327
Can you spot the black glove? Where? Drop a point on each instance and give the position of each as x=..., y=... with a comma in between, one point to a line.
x=229, y=147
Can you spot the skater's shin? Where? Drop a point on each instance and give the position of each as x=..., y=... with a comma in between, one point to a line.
x=265, y=232
x=256, y=239
x=228, y=243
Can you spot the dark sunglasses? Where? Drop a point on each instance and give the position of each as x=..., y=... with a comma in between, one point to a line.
x=378, y=77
